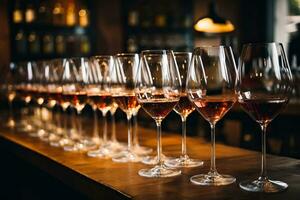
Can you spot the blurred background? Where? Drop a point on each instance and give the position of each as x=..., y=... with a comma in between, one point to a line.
x=45, y=29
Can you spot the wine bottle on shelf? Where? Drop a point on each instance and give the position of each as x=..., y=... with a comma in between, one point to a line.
x=17, y=13
x=48, y=44
x=71, y=13
x=58, y=13
x=33, y=43
x=160, y=19
x=44, y=12
x=20, y=42
x=133, y=18
x=60, y=44
x=85, y=46
x=83, y=16
x=132, y=45
x=147, y=16
x=30, y=12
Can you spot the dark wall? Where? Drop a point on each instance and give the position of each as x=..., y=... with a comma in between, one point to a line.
x=257, y=20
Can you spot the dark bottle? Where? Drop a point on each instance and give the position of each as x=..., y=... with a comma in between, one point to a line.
x=33, y=43
x=18, y=13
x=48, y=44
x=20, y=41
x=30, y=12
x=44, y=12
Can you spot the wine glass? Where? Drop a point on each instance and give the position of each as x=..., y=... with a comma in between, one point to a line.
x=73, y=90
x=53, y=73
x=98, y=91
x=212, y=87
x=265, y=86
x=123, y=78
x=9, y=88
x=35, y=90
x=183, y=108
x=24, y=79
x=158, y=87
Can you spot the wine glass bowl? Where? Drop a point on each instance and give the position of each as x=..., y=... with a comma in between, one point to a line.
x=73, y=92
x=212, y=87
x=265, y=86
x=122, y=82
x=99, y=94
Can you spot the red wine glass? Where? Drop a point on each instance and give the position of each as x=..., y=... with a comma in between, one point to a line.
x=265, y=86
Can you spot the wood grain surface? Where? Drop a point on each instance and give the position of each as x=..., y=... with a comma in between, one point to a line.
x=104, y=179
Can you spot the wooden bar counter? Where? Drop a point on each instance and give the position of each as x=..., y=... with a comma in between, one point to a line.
x=94, y=178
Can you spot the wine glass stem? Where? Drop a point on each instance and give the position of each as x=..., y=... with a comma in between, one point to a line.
x=159, y=148
x=10, y=115
x=104, y=127
x=129, y=136
x=135, y=137
x=113, y=124
x=213, y=168
x=79, y=125
x=183, y=138
x=95, y=131
x=263, y=173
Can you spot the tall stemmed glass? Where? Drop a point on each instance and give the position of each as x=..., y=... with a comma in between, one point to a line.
x=184, y=108
x=24, y=82
x=265, y=88
x=123, y=78
x=158, y=89
x=212, y=87
x=98, y=91
x=73, y=90
x=10, y=92
x=53, y=73
x=35, y=88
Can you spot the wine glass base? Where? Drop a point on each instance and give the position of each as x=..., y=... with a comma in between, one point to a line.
x=183, y=161
x=102, y=152
x=152, y=160
x=141, y=150
x=62, y=142
x=159, y=171
x=33, y=134
x=266, y=186
x=126, y=156
x=82, y=146
x=11, y=124
x=212, y=179
x=116, y=146
x=25, y=128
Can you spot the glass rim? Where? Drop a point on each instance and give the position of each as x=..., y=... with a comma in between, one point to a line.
x=262, y=44
x=126, y=54
x=156, y=51
x=100, y=56
x=182, y=53
x=212, y=47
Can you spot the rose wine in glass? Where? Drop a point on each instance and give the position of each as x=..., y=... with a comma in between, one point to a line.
x=99, y=94
x=123, y=78
x=212, y=87
x=183, y=108
x=73, y=89
x=265, y=86
x=158, y=91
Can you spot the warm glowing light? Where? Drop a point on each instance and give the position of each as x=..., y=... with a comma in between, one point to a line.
x=207, y=25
